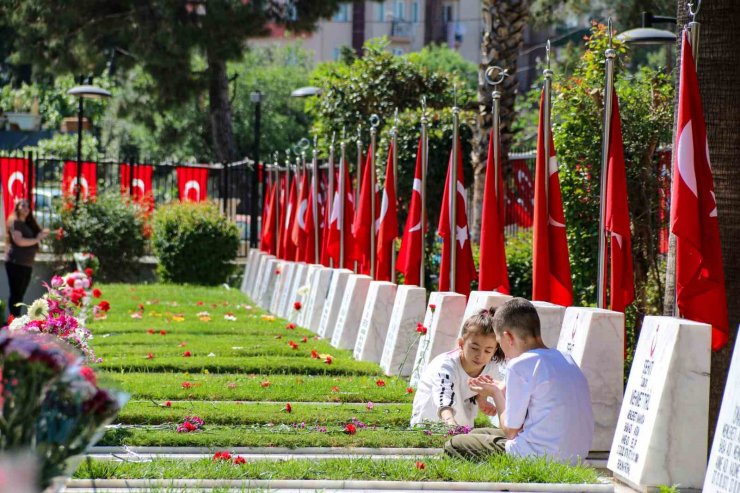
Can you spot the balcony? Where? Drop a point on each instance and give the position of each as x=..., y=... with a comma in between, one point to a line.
x=401, y=31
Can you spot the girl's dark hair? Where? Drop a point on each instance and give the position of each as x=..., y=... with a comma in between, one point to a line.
x=30, y=221
x=482, y=323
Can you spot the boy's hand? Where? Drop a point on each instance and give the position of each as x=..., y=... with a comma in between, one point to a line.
x=486, y=407
x=482, y=384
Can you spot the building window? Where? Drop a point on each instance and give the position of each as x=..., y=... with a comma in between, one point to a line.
x=400, y=10
x=448, y=13
x=381, y=12
x=342, y=15
x=415, y=12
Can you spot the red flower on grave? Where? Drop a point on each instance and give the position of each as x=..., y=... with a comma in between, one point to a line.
x=432, y=306
x=187, y=385
x=88, y=374
x=238, y=460
x=163, y=332
x=265, y=384
x=97, y=293
x=420, y=465
x=149, y=356
x=421, y=329
x=292, y=344
x=290, y=326
x=88, y=272
x=104, y=305
x=150, y=331
x=182, y=344
x=314, y=354
x=297, y=305
x=350, y=429
x=200, y=303
x=60, y=234
x=277, y=272
x=168, y=404
x=409, y=390
x=70, y=282
x=187, y=354
x=380, y=383
x=305, y=339
x=288, y=408
x=328, y=360
x=335, y=389
x=222, y=456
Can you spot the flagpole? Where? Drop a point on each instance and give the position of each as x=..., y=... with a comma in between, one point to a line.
x=359, y=177
x=423, y=192
x=315, y=200
x=374, y=122
x=546, y=124
x=330, y=199
x=277, y=201
x=394, y=143
x=342, y=193
x=287, y=198
x=453, y=191
x=610, y=55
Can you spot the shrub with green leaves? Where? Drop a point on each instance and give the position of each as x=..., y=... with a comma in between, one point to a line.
x=519, y=263
x=109, y=226
x=194, y=243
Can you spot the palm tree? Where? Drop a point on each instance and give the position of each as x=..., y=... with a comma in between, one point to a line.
x=505, y=22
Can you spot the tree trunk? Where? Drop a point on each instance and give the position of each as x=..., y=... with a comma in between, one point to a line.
x=222, y=130
x=719, y=71
x=505, y=22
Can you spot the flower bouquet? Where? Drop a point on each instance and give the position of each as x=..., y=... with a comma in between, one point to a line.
x=50, y=403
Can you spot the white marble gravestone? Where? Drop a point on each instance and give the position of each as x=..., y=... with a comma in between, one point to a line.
x=266, y=271
x=350, y=313
x=257, y=273
x=333, y=303
x=595, y=339
x=723, y=471
x=402, y=340
x=317, y=298
x=661, y=435
x=303, y=316
x=443, y=328
x=376, y=316
x=248, y=269
x=299, y=280
x=551, y=320
x=288, y=276
x=282, y=268
x=480, y=300
x=268, y=287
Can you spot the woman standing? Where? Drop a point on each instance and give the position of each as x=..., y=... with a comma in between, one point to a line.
x=21, y=244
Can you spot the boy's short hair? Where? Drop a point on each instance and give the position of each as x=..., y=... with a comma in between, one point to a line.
x=519, y=316
x=482, y=323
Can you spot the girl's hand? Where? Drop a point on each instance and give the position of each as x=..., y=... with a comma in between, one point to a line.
x=486, y=407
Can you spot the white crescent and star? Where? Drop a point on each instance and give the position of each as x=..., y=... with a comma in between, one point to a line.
x=15, y=176
x=83, y=185
x=192, y=185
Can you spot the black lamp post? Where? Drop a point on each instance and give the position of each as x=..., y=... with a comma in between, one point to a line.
x=256, y=98
x=82, y=92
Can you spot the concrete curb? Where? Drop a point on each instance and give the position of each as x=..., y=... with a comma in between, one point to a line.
x=315, y=451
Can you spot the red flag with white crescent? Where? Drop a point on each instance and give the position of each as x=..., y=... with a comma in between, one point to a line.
x=551, y=276
x=289, y=247
x=465, y=266
x=268, y=240
x=409, y=254
x=88, y=180
x=16, y=182
x=363, y=221
x=341, y=228
x=700, y=280
x=298, y=233
x=387, y=223
x=192, y=183
x=138, y=186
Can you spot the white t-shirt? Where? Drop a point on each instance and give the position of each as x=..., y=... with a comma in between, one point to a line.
x=444, y=383
x=547, y=396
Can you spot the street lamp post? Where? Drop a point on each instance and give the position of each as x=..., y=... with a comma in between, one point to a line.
x=256, y=98
x=82, y=92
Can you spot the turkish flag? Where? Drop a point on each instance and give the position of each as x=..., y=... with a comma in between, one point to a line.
x=465, y=267
x=622, y=281
x=341, y=227
x=409, y=254
x=88, y=180
x=325, y=225
x=268, y=240
x=282, y=198
x=138, y=186
x=363, y=223
x=310, y=255
x=192, y=183
x=493, y=273
x=551, y=278
x=289, y=247
x=700, y=280
x=16, y=182
x=524, y=192
x=298, y=232
x=387, y=223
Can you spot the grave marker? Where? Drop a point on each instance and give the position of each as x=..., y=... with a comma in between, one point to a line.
x=402, y=340
x=376, y=317
x=350, y=312
x=551, y=320
x=333, y=303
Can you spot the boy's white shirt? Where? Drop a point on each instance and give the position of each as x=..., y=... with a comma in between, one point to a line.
x=547, y=396
x=444, y=384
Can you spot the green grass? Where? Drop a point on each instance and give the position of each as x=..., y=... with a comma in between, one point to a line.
x=275, y=436
x=500, y=468
x=244, y=387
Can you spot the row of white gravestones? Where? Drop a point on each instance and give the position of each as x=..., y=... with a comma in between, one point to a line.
x=376, y=317
x=268, y=285
x=402, y=340
x=282, y=275
x=291, y=269
x=350, y=312
x=262, y=277
x=304, y=293
x=317, y=298
x=254, y=273
x=299, y=279
x=248, y=269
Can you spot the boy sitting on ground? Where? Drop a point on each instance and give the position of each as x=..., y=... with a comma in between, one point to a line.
x=544, y=406
x=443, y=393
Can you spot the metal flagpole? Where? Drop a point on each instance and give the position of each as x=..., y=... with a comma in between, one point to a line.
x=287, y=193
x=342, y=194
x=394, y=137
x=423, y=192
x=358, y=183
x=500, y=73
x=330, y=197
x=608, y=92
x=277, y=201
x=546, y=125
x=453, y=192
x=315, y=199
x=374, y=122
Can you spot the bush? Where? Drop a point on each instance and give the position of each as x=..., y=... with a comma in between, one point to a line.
x=519, y=263
x=194, y=243
x=109, y=226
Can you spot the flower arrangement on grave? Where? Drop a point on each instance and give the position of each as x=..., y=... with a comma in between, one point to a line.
x=50, y=402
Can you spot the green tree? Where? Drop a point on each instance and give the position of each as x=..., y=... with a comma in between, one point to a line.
x=183, y=46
